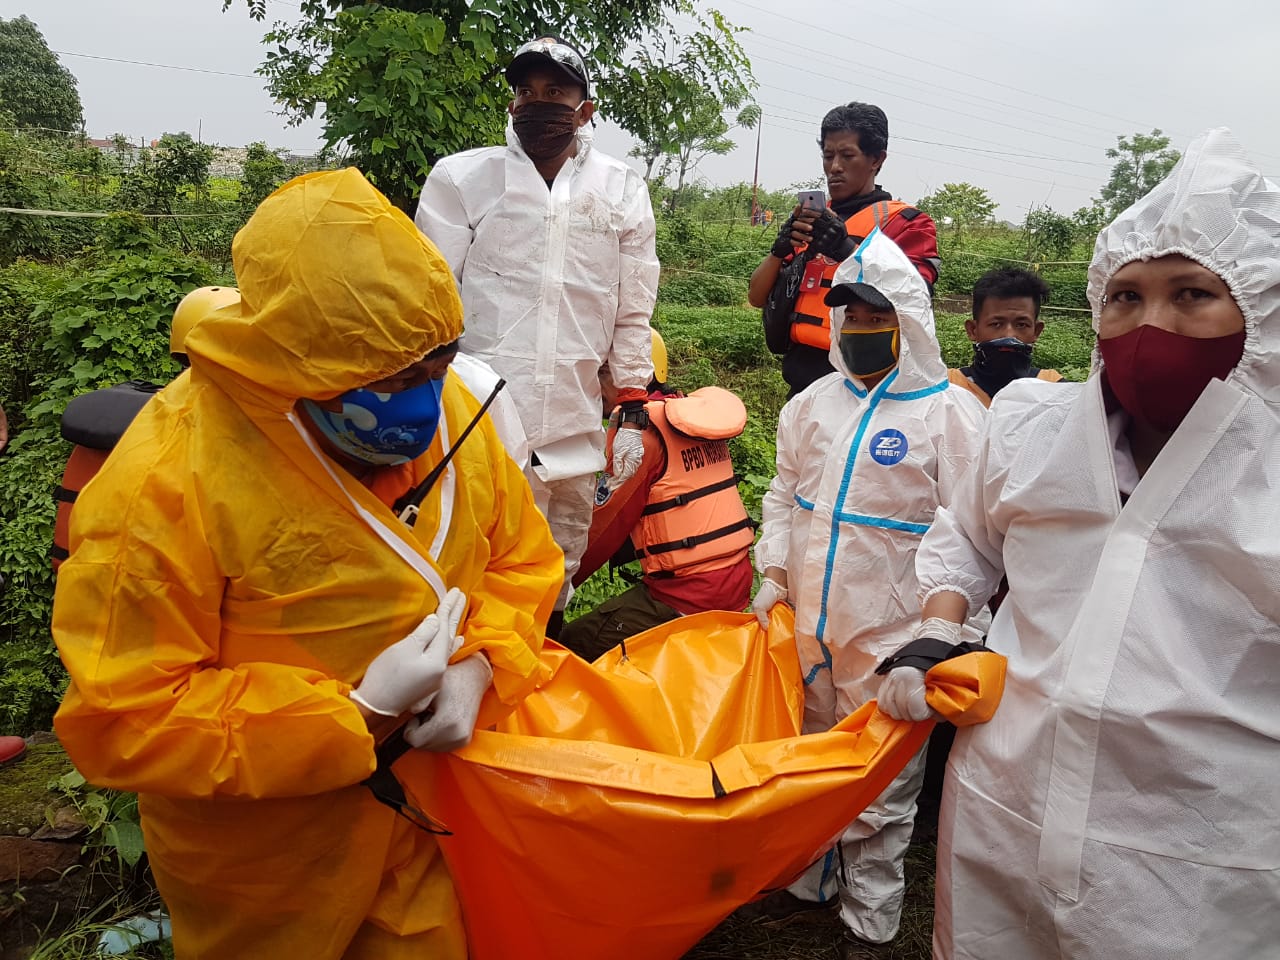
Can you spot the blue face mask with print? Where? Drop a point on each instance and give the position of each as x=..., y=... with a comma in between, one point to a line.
x=382, y=428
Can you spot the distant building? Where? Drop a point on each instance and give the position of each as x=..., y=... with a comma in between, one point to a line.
x=120, y=148
x=228, y=162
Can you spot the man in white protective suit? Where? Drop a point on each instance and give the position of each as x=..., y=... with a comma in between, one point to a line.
x=552, y=245
x=1124, y=801
x=866, y=455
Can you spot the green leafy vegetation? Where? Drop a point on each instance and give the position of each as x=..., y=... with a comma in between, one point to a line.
x=401, y=84
x=100, y=319
x=35, y=89
x=63, y=917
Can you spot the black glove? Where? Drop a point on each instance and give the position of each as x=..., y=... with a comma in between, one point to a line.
x=782, y=247
x=831, y=237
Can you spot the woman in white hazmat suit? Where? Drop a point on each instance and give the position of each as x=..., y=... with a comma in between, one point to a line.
x=1123, y=801
x=863, y=463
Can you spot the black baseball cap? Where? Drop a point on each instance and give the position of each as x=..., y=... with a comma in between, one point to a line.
x=548, y=51
x=846, y=293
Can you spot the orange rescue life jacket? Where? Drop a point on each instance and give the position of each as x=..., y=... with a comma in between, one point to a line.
x=811, y=322
x=694, y=520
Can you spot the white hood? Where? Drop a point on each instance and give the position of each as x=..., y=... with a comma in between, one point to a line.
x=1216, y=208
x=879, y=262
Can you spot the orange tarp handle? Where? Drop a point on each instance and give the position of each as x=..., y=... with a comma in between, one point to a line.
x=967, y=689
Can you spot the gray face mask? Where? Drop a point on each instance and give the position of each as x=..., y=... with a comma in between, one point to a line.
x=870, y=352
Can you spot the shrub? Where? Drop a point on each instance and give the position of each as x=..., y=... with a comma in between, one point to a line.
x=692, y=288
x=728, y=339
x=103, y=319
x=1066, y=346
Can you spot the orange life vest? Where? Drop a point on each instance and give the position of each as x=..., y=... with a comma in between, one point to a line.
x=94, y=422
x=811, y=321
x=960, y=380
x=694, y=520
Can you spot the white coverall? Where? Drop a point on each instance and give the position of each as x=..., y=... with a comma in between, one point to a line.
x=1123, y=802
x=480, y=379
x=860, y=476
x=555, y=283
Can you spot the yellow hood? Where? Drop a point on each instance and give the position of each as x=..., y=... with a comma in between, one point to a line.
x=338, y=289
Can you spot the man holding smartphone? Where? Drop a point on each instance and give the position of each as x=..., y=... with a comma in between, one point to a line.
x=792, y=280
x=552, y=245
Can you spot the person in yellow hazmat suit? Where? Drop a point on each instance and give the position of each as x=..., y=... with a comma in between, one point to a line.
x=243, y=613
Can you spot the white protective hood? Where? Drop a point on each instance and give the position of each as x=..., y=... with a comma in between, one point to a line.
x=1217, y=209
x=879, y=261
x=1120, y=805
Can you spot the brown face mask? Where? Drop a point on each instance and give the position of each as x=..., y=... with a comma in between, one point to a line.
x=545, y=129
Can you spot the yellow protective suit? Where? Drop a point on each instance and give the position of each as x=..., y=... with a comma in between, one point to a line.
x=228, y=584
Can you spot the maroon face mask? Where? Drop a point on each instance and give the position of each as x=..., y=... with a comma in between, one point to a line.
x=1157, y=376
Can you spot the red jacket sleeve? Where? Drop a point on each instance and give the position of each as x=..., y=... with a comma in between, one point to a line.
x=613, y=520
x=918, y=239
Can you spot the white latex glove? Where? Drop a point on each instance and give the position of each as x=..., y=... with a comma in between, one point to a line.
x=452, y=718
x=628, y=453
x=770, y=592
x=902, y=690
x=413, y=668
x=902, y=694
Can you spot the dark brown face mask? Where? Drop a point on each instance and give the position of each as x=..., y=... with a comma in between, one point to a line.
x=545, y=129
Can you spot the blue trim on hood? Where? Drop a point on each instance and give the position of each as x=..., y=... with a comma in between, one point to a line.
x=919, y=394
x=857, y=254
x=857, y=391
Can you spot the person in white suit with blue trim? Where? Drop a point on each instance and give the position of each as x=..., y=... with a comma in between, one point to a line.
x=866, y=455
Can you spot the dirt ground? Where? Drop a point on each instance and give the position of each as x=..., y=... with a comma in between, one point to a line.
x=814, y=936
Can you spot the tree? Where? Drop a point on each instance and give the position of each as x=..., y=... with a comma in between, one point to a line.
x=178, y=161
x=34, y=87
x=261, y=173
x=155, y=183
x=701, y=133
x=1049, y=235
x=1142, y=161
x=658, y=95
x=22, y=185
x=959, y=206
x=406, y=82
x=1089, y=221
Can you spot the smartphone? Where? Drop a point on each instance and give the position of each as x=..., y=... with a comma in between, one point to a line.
x=812, y=199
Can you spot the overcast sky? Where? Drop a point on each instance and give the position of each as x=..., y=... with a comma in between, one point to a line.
x=1019, y=98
